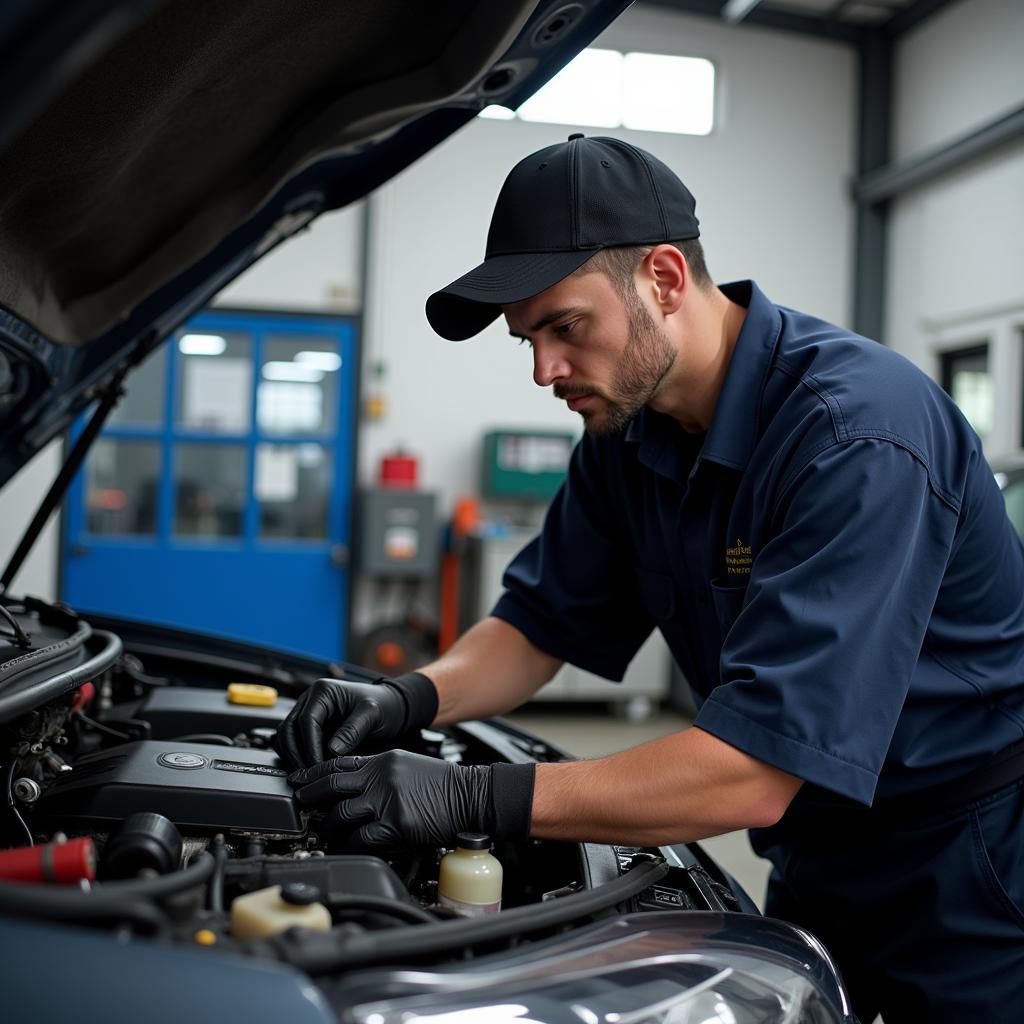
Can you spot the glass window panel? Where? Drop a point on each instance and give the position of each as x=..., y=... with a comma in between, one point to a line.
x=209, y=490
x=668, y=94
x=298, y=388
x=214, y=381
x=293, y=486
x=966, y=377
x=587, y=91
x=497, y=113
x=143, y=402
x=607, y=89
x=122, y=487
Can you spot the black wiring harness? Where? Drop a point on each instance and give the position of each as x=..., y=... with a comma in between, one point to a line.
x=17, y=634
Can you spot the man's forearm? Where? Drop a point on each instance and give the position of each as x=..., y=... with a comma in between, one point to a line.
x=489, y=670
x=683, y=787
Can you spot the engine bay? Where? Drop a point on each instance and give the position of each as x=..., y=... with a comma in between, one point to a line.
x=143, y=795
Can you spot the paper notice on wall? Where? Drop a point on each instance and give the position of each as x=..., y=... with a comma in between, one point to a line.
x=277, y=474
x=217, y=393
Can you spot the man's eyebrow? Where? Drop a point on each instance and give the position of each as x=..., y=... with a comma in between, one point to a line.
x=549, y=319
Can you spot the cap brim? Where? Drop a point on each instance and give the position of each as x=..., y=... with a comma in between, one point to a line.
x=472, y=302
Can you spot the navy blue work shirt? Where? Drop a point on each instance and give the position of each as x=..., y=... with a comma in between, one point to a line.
x=831, y=564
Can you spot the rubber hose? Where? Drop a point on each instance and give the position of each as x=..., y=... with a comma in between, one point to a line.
x=107, y=899
x=383, y=905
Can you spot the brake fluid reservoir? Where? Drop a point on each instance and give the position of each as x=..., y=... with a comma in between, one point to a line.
x=470, y=878
x=269, y=911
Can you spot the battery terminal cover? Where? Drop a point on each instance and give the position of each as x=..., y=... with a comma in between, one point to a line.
x=252, y=695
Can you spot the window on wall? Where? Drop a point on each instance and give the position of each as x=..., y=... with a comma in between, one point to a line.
x=966, y=378
x=607, y=89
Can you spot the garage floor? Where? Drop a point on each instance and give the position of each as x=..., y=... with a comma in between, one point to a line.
x=591, y=730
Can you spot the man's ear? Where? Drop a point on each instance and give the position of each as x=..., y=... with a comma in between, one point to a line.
x=668, y=276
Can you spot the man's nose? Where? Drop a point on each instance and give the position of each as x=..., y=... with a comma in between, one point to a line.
x=549, y=364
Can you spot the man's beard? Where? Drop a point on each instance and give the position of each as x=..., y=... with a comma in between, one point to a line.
x=647, y=357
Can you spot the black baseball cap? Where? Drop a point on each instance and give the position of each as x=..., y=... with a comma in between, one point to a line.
x=557, y=208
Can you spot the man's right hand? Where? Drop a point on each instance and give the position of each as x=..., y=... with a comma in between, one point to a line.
x=349, y=714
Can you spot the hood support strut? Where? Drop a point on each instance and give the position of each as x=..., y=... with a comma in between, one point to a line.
x=110, y=396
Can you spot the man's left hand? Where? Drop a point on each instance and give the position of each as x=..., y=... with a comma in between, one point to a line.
x=399, y=798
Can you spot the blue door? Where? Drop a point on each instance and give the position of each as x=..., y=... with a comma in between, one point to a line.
x=218, y=496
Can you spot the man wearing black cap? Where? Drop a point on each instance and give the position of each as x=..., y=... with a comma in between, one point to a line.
x=811, y=524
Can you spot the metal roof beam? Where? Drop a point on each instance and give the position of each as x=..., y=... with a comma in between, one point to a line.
x=768, y=17
x=885, y=183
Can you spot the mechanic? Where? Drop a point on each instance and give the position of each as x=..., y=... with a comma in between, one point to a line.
x=812, y=525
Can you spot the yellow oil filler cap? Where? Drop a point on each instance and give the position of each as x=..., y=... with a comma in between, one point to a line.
x=252, y=695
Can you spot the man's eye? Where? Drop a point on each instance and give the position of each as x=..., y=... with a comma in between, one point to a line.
x=566, y=328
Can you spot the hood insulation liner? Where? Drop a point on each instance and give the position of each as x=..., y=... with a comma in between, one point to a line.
x=193, y=118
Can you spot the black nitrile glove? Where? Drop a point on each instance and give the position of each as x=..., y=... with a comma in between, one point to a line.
x=399, y=798
x=349, y=714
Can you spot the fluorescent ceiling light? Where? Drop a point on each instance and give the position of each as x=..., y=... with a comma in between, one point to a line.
x=662, y=93
x=293, y=371
x=497, y=112
x=327, y=361
x=202, y=344
x=587, y=91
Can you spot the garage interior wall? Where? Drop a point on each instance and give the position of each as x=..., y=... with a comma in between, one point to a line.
x=956, y=245
x=771, y=184
x=772, y=189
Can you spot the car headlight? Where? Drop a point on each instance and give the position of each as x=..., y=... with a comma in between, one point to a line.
x=643, y=969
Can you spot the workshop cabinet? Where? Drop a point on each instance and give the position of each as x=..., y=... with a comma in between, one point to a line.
x=646, y=682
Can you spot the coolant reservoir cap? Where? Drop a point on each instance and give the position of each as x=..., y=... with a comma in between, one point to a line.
x=473, y=841
x=300, y=894
x=252, y=694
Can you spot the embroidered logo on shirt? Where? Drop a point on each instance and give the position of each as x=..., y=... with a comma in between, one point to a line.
x=738, y=559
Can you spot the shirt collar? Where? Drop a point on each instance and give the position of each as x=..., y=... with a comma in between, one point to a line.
x=734, y=423
x=732, y=435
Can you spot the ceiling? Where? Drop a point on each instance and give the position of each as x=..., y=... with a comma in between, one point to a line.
x=853, y=12
x=852, y=21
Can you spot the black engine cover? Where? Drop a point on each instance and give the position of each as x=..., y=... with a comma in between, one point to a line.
x=198, y=786
x=179, y=710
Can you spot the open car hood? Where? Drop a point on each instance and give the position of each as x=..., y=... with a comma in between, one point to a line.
x=151, y=151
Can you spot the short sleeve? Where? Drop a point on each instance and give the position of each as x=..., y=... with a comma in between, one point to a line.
x=572, y=590
x=817, y=665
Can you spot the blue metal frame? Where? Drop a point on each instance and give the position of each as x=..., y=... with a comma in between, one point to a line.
x=338, y=445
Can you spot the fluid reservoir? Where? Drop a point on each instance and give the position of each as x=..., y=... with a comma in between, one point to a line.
x=269, y=911
x=470, y=878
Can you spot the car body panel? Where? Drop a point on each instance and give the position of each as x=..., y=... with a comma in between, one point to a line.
x=153, y=983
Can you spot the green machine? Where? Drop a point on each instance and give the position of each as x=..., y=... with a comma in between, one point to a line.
x=525, y=465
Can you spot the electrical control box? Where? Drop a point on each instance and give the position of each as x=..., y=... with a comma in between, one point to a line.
x=525, y=465
x=398, y=534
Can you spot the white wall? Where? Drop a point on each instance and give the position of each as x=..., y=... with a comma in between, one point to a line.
x=19, y=500
x=771, y=186
x=956, y=249
x=319, y=270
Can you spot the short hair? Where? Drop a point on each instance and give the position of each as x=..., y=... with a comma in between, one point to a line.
x=618, y=263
